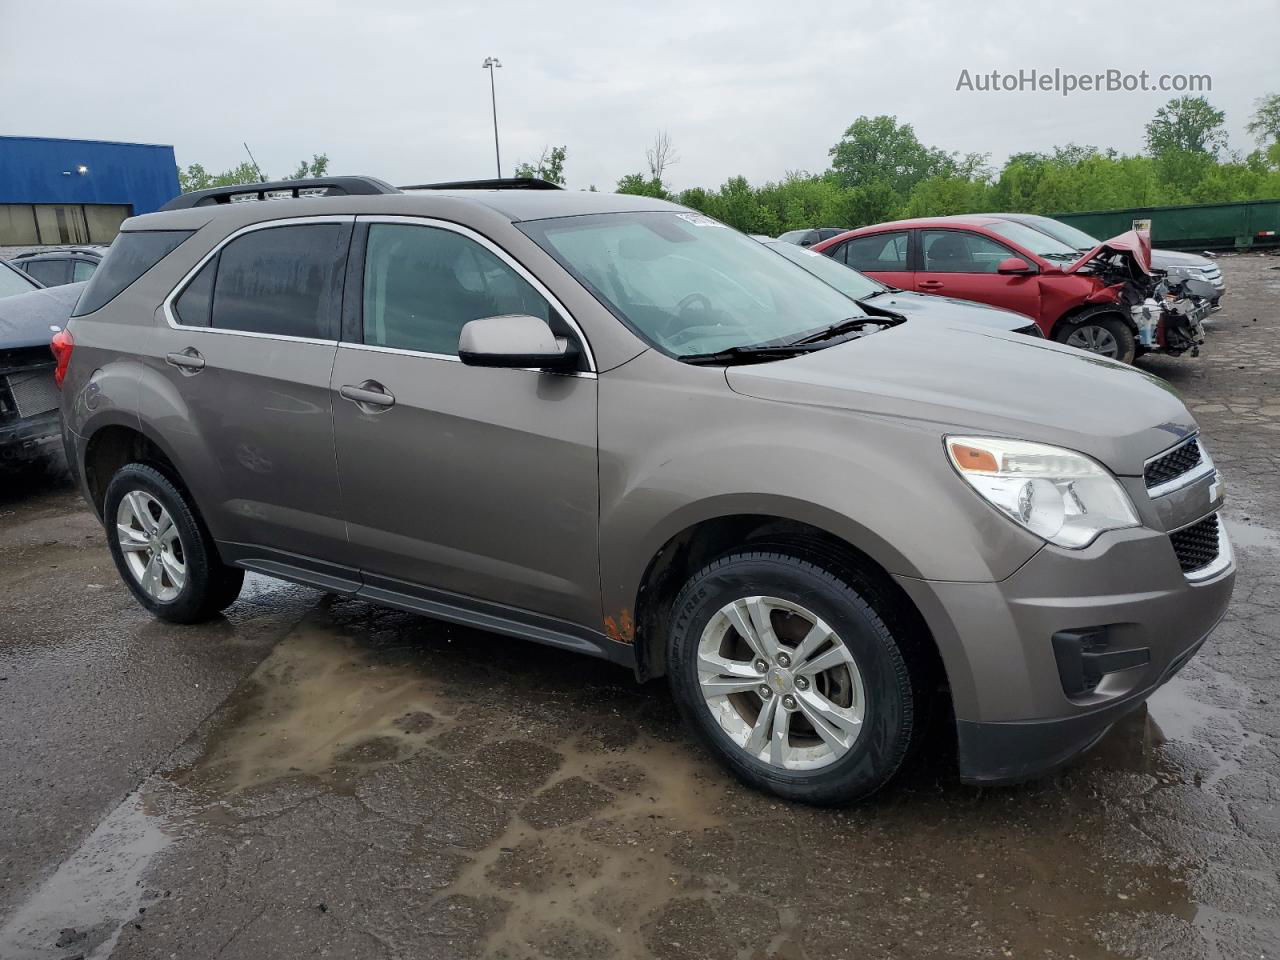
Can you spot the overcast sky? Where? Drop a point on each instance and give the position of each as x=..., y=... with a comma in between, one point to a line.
x=395, y=88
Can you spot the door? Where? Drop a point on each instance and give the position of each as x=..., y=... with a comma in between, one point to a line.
x=249, y=347
x=881, y=255
x=958, y=263
x=475, y=482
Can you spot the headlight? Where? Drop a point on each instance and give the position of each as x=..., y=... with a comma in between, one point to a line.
x=1060, y=495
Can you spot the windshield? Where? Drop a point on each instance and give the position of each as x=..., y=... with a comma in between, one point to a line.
x=1064, y=232
x=687, y=283
x=845, y=279
x=1038, y=243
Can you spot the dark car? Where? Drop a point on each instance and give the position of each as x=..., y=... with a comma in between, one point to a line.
x=64, y=265
x=1173, y=262
x=875, y=296
x=808, y=237
x=29, y=422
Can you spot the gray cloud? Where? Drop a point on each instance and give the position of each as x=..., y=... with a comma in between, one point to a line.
x=394, y=88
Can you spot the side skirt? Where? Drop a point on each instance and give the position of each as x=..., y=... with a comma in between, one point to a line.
x=438, y=604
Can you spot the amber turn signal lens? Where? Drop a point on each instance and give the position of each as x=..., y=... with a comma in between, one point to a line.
x=973, y=459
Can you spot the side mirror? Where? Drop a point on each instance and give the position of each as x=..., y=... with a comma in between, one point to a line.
x=1014, y=265
x=515, y=340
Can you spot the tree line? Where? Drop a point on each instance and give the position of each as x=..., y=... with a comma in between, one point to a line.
x=881, y=171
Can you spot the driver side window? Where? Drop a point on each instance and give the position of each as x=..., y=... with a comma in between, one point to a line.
x=423, y=284
x=954, y=251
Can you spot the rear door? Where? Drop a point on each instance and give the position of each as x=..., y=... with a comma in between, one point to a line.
x=885, y=256
x=963, y=264
x=462, y=482
x=248, y=346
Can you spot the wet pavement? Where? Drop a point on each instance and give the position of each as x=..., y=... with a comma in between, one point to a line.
x=319, y=777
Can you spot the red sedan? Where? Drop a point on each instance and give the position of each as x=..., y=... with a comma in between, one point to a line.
x=1094, y=301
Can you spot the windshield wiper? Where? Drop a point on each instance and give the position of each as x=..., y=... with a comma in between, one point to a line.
x=849, y=325
x=872, y=295
x=747, y=354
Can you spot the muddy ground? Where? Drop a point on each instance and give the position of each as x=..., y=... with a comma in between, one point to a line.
x=319, y=777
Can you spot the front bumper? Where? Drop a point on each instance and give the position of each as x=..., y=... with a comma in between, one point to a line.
x=1014, y=715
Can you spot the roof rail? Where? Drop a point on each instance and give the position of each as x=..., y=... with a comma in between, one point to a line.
x=332, y=187
x=501, y=183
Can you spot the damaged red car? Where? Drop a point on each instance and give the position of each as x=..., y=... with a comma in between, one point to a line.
x=1108, y=301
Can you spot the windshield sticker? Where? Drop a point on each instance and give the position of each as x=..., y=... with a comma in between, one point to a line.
x=700, y=220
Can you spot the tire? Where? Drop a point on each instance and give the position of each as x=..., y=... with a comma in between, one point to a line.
x=793, y=594
x=1103, y=333
x=170, y=562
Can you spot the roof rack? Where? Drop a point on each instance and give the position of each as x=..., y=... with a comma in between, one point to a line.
x=501, y=183
x=320, y=186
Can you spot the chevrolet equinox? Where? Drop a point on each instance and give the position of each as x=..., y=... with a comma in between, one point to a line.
x=613, y=425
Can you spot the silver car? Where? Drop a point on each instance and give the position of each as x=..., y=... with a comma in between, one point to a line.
x=613, y=425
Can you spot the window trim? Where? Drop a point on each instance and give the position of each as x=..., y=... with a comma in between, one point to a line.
x=167, y=306
x=539, y=287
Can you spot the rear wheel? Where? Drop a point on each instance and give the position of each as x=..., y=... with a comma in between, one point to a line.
x=164, y=554
x=1105, y=334
x=791, y=677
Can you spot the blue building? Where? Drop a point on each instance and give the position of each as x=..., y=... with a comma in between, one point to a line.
x=79, y=191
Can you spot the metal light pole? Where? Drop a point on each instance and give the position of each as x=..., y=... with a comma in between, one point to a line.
x=489, y=64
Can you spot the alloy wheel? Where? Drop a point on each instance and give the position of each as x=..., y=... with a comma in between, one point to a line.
x=1095, y=339
x=151, y=547
x=781, y=683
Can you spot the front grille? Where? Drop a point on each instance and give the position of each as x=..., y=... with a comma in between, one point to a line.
x=1196, y=546
x=1171, y=465
x=33, y=392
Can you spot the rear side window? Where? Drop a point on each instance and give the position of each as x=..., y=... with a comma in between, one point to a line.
x=194, y=305
x=878, y=252
x=131, y=255
x=51, y=273
x=282, y=281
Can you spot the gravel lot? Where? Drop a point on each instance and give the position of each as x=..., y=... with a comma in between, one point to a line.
x=313, y=776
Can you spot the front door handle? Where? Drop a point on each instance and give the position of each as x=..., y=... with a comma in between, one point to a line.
x=931, y=284
x=368, y=394
x=188, y=361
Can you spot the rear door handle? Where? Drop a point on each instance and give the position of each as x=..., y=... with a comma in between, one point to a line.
x=188, y=361
x=370, y=393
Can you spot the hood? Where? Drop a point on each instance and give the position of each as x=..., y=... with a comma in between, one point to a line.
x=961, y=378
x=935, y=309
x=1135, y=243
x=31, y=319
x=1164, y=259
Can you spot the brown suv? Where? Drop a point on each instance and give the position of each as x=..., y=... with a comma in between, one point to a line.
x=614, y=425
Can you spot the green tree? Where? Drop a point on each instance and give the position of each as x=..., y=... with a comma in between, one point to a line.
x=879, y=149
x=196, y=177
x=317, y=166
x=644, y=186
x=550, y=166
x=1187, y=124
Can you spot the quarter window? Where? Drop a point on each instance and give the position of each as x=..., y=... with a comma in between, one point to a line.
x=877, y=253
x=954, y=251
x=422, y=285
x=281, y=281
x=193, y=306
x=82, y=270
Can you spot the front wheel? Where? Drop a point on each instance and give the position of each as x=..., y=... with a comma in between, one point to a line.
x=791, y=677
x=164, y=554
x=1104, y=334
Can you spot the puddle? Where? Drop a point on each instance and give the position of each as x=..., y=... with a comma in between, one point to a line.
x=1252, y=536
x=80, y=909
x=320, y=705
